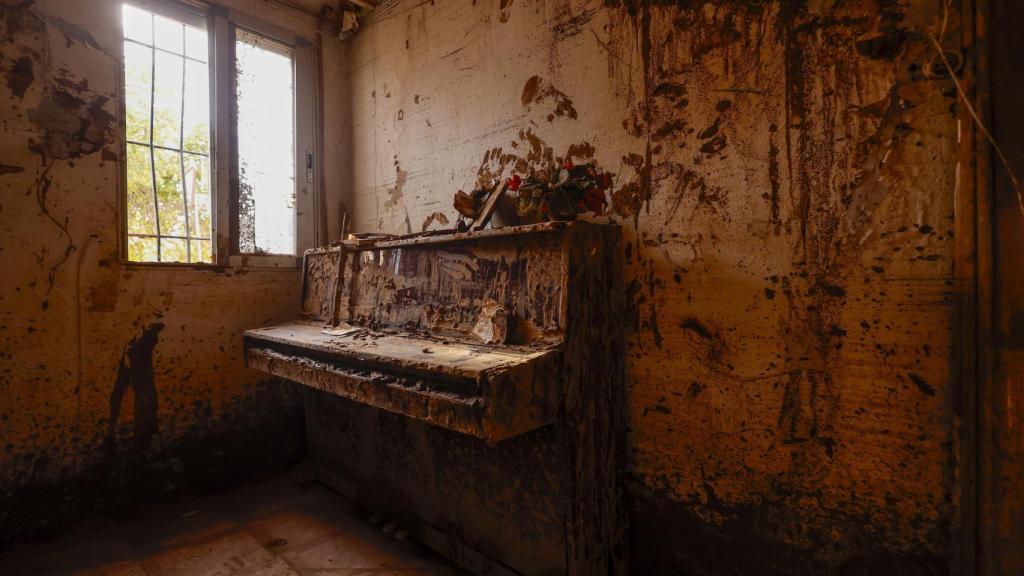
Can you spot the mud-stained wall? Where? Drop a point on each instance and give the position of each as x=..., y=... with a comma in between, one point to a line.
x=115, y=380
x=785, y=176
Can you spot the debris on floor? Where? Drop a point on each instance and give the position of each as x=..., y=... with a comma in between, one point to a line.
x=275, y=528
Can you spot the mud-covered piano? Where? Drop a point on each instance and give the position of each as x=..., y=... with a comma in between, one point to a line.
x=469, y=385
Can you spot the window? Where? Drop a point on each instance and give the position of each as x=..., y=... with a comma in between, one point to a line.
x=217, y=115
x=264, y=93
x=167, y=135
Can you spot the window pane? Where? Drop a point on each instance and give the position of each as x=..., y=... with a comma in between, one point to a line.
x=141, y=249
x=167, y=100
x=138, y=67
x=168, y=189
x=168, y=34
x=266, y=145
x=195, y=43
x=169, y=192
x=173, y=250
x=141, y=211
x=197, y=107
x=138, y=24
x=200, y=201
x=201, y=251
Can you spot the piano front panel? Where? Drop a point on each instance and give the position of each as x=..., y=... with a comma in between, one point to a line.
x=319, y=283
x=441, y=288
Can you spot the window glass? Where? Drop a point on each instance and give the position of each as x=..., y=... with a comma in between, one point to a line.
x=138, y=24
x=167, y=127
x=265, y=103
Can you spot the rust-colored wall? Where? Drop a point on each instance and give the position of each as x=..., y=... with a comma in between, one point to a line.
x=785, y=176
x=83, y=417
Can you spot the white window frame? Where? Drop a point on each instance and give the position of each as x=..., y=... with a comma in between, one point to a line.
x=220, y=25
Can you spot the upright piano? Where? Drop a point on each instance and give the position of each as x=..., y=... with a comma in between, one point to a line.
x=471, y=386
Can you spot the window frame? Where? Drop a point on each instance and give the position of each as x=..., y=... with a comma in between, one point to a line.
x=220, y=23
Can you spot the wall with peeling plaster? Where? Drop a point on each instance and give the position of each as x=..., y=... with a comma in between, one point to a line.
x=117, y=381
x=785, y=176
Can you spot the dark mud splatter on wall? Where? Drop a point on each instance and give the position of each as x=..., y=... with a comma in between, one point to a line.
x=832, y=218
x=493, y=165
x=773, y=179
x=42, y=190
x=438, y=217
x=6, y=169
x=74, y=33
x=567, y=22
x=921, y=384
x=704, y=342
x=20, y=19
x=24, y=31
x=715, y=141
x=135, y=372
x=662, y=115
x=581, y=151
x=505, y=10
x=886, y=45
x=537, y=91
x=704, y=97
x=394, y=193
x=630, y=196
x=828, y=222
x=75, y=123
x=530, y=156
x=691, y=186
x=21, y=76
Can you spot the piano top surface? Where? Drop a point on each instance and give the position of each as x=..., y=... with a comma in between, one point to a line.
x=406, y=352
x=436, y=237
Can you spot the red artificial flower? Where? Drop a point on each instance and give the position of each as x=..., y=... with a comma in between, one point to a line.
x=514, y=182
